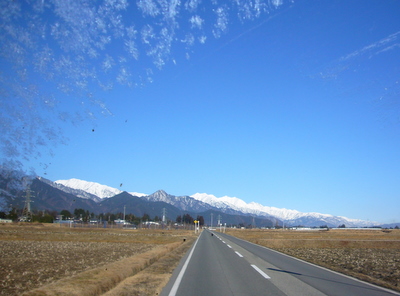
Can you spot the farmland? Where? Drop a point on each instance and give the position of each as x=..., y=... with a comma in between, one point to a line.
x=370, y=255
x=38, y=256
x=53, y=260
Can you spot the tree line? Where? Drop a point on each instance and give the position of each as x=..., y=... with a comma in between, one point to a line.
x=83, y=215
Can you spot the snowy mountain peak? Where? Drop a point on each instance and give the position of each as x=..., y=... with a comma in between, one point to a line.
x=210, y=199
x=205, y=197
x=226, y=204
x=161, y=192
x=286, y=215
x=97, y=189
x=159, y=195
x=137, y=194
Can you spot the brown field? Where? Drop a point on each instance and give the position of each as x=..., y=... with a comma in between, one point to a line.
x=370, y=255
x=51, y=260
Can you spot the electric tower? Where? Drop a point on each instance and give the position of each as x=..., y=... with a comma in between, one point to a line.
x=27, y=213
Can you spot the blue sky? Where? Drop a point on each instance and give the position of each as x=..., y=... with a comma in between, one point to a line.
x=292, y=104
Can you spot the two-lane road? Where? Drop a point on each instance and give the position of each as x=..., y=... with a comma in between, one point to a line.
x=219, y=264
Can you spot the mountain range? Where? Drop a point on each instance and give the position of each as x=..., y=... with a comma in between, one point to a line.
x=230, y=205
x=98, y=198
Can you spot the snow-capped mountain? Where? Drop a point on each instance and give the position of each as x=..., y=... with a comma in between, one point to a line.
x=137, y=194
x=102, y=191
x=200, y=202
x=289, y=217
x=248, y=208
x=95, y=190
x=185, y=203
x=77, y=192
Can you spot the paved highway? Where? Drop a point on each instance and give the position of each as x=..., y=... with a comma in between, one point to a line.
x=219, y=264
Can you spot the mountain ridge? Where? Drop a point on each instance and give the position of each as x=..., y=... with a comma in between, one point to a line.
x=293, y=217
x=48, y=196
x=94, y=188
x=234, y=205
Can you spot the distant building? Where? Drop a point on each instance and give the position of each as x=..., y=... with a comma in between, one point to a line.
x=120, y=221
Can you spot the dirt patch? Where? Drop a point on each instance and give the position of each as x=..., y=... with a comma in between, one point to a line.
x=370, y=255
x=28, y=264
x=36, y=256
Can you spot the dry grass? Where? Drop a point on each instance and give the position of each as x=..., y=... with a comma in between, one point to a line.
x=152, y=279
x=62, y=261
x=370, y=255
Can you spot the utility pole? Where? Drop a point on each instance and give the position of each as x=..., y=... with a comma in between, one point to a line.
x=164, y=214
x=211, y=220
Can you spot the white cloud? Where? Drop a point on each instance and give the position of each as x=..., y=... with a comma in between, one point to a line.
x=391, y=47
x=173, y=8
x=117, y=4
x=147, y=34
x=189, y=40
x=202, y=39
x=131, y=32
x=192, y=5
x=374, y=46
x=123, y=77
x=131, y=49
x=76, y=45
x=196, y=22
x=221, y=24
x=148, y=7
x=108, y=63
x=276, y=3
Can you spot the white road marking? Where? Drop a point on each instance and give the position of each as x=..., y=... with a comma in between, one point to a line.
x=237, y=253
x=229, y=246
x=180, y=276
x=260, y=271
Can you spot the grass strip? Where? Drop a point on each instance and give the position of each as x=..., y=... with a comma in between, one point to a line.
x=153, y=279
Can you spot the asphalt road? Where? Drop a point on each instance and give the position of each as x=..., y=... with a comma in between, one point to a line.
x=223, y=265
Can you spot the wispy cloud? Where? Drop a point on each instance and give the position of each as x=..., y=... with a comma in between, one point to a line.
x=192, y=5
x=74, y=46
x=196, y=22
x=148, y=7
x=276, y=3
x=376, y=47
x=221, y=25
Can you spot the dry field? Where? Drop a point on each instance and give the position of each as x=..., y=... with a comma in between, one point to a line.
x=370, y=255
x=50, y=260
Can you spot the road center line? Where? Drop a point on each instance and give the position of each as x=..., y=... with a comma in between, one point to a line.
x=229, y=246
x=237, y=253
x=178, y=280
x=260, y=271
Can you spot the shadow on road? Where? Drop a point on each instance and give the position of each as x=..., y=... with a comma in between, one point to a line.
x=362, y=286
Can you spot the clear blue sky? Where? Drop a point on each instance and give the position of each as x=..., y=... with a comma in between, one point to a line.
x=292, y=104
